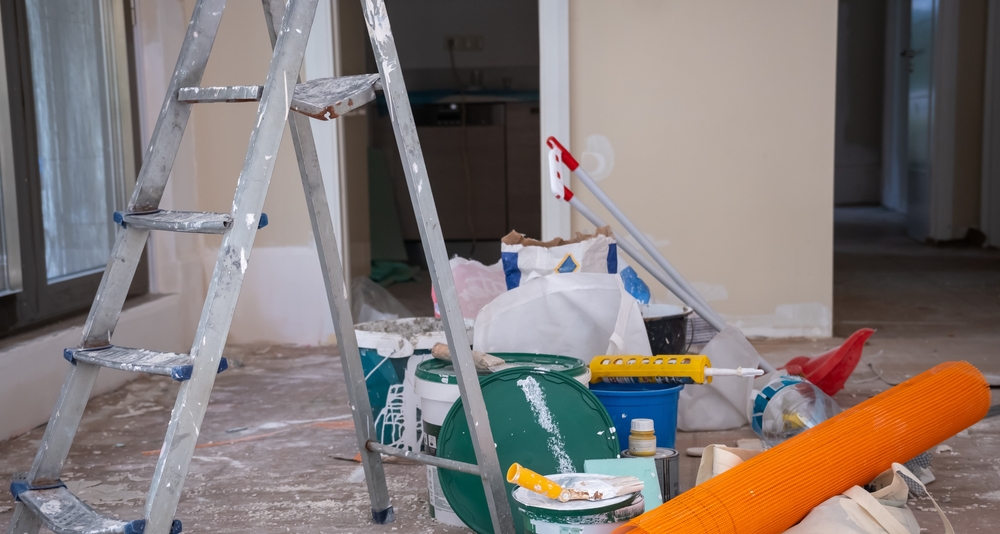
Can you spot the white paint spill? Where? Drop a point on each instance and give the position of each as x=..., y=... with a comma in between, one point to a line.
x=415, y=169
x=243, y=261
x=250, y=220
x=599, y=157
x=50, y=507
x=358, y=475
x=536, y=398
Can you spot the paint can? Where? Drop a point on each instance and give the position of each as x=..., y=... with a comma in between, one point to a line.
x=437, y=388
x=541, y=515
x=667, y=470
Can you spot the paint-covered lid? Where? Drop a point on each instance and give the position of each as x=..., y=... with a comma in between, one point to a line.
x=546, y=421
x=399, y=338
x=440, y=371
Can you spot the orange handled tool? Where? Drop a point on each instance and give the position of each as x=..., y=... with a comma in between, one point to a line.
x=532, y=481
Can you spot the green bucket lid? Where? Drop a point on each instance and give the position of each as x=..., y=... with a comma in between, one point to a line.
x=443, y=372
x=545, y=421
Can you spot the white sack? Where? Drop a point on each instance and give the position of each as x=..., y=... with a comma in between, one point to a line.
x=725, y=403
x=582, y=315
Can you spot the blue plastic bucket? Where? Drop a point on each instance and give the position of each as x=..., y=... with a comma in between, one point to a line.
x=626, y=402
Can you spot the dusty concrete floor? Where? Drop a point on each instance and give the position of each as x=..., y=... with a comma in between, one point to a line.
x=278, y=427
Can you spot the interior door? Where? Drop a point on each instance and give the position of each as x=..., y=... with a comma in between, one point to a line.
x=919, y=122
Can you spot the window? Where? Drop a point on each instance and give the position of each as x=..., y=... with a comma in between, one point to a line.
x=67, y=153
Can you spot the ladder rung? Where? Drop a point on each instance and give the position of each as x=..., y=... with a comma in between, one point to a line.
x=196, y=222
x=64, y=513
x=172, y=364
x=322, y=98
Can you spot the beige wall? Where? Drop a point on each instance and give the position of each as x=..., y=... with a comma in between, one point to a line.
x=283, y=297
x=720, y=115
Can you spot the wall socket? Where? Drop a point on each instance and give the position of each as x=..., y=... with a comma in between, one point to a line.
x=467, y=43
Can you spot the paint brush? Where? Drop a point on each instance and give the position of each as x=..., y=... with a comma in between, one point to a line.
x=585, y=488
x=483, y=361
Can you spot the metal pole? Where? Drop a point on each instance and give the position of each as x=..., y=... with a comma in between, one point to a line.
x=398, y=103
x=444, y=463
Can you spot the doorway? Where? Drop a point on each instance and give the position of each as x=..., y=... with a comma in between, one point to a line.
x=913, y=157
x=472, y=74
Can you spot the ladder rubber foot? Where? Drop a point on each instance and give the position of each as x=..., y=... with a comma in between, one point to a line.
x=384, y=517
x=172, y=364
x=64, y=513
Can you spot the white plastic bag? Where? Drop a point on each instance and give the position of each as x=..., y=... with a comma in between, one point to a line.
x=726, y=402
x=477, y=285
x=526, y=259
x=857, y=511
x=582, y=315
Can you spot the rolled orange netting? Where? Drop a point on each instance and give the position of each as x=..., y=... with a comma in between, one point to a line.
x=773, y=491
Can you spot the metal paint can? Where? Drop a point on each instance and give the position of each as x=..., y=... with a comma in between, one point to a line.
x=667, y=470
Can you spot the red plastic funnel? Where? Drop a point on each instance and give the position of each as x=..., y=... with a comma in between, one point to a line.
x=830, y=370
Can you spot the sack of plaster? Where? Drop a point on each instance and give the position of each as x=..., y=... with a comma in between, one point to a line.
x=581, y=315
x=526, y=259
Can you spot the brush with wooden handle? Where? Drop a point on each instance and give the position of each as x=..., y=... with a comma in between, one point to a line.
x=592, y=488
x=483, y=361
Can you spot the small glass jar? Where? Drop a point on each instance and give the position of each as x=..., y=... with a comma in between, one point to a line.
x=642, y=439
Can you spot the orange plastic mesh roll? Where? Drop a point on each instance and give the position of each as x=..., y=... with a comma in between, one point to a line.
x=773, y=491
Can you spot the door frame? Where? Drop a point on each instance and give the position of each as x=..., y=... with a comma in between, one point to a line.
x=895, y=105
x=943, y=96
x=990, y=192
x=553, y=89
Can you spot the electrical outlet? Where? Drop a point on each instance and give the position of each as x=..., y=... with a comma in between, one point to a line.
x=465, y=43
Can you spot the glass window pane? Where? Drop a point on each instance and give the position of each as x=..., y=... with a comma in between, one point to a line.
x=78, y=140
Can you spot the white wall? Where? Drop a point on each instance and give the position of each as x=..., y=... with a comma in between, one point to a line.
x=720, y=117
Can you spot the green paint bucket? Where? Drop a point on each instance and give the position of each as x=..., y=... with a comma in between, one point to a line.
x=541, y=515
x=546, y=421
x=437, y=388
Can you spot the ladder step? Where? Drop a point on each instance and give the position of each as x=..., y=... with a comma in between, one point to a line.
x=64, y=513
x=172, y=364
x=195, y=222
x=322, y=98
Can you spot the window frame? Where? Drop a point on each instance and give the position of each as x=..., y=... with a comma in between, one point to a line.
x=39, y=302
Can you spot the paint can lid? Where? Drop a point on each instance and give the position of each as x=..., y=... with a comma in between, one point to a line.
x=443, y=372
x=642, y=425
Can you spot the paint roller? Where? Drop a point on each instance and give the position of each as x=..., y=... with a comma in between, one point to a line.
x=773, y=491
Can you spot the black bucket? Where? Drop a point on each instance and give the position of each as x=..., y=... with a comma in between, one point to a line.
x=666, y=326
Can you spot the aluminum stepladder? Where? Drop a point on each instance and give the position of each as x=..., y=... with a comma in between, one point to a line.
x=41, y=496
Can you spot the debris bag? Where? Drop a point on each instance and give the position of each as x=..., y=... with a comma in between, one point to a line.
x=372, y=302
x=877, y=508
x=581, y=315
x=723, y=404
x=477, y=285
x=526, y=259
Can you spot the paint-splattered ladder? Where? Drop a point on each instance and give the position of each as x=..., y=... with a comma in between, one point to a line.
x=41, y=496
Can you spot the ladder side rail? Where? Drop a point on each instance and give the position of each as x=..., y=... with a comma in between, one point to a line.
x=394, y=90
x=104, y=312
x=234, y=253
x=157, y=164
x=336, y=290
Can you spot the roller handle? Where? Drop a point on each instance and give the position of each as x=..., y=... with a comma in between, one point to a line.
x=532, y=481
